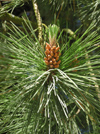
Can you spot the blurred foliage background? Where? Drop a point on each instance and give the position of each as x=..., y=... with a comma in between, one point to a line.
x=66, y=13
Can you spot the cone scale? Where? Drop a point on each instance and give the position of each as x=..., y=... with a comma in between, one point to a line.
x=52, y=56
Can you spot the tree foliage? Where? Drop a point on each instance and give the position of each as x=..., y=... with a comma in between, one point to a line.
x=37, y=98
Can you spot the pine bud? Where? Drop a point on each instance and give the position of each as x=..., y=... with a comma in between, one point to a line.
x=49, y=57
x=51, y=53
x=54, y=63
x=51, y=66
x=55, y=55
x=48, y=46
x=47, y=51
x=57, y=58
x=47, y=63
x=53, y=59
x=57, y=49
x=54, y=47
x=56, y=66
x=50, y=61
x=45, y=58
x=58, y=62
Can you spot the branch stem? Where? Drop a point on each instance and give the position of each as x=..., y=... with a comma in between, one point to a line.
x=38, y=18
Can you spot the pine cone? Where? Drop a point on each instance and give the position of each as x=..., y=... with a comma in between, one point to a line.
x=52, y=56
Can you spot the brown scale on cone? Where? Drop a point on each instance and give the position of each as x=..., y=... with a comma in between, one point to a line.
x=52, y=56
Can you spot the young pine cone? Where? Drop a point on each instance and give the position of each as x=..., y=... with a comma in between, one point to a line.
x=52, y=56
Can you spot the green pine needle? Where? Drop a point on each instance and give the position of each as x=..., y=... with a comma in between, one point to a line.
x=36, y=100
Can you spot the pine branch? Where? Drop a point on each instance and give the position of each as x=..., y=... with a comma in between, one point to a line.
x=15, y=19
x=40, y=99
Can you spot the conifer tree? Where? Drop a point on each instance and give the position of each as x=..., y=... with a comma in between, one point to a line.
x=50, y=73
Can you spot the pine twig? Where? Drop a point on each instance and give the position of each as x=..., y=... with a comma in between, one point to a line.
x=38, y=17
x=15, y=19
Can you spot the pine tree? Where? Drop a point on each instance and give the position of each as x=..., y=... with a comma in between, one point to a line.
x=50, y=75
